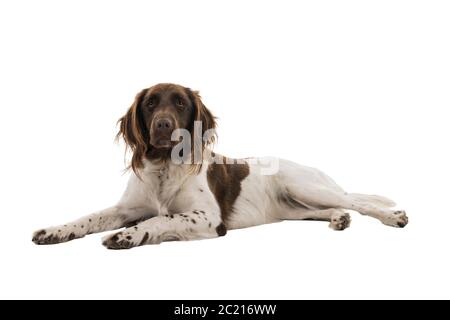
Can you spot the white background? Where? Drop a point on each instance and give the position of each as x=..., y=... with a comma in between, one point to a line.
x=359, y=89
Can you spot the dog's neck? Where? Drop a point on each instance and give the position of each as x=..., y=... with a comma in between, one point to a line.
x=158, y=155
x=160, y=167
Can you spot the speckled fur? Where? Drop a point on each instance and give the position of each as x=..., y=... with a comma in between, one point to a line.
x=165, y=201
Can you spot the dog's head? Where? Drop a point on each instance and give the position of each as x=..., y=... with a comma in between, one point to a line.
x=156, y=112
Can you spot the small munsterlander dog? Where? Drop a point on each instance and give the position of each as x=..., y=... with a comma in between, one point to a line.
x=183, y=191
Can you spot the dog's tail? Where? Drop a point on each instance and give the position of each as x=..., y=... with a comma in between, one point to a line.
x=372, y=199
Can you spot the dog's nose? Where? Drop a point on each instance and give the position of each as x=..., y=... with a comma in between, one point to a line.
x=164, y=125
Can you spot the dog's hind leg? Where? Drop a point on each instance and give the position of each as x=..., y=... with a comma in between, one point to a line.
x=313, y=189
x=339, y=219
x=373, y=206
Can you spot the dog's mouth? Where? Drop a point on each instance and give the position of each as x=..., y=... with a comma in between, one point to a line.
x=162, y=143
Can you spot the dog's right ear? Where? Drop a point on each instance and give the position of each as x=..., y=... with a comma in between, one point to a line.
x=133, y=131
x=130, y=125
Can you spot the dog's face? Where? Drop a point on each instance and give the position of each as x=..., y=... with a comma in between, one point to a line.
x=164, y=109
x=148, y=125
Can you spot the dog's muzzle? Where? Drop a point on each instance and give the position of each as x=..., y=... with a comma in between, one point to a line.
x=162, y=128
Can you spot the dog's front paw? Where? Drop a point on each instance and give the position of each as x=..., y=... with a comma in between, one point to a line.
x=340, y=221
x=126, y=239
x=398, y=219
x=53, y=236
x=119, y=241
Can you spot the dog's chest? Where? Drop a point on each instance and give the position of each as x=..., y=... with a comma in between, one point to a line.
x=165, y=184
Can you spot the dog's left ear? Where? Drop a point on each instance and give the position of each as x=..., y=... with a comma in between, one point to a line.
x=204, y=115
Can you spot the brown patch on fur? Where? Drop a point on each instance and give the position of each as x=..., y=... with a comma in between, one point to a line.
x=116, y=237
x=41, y=233
x=221, y=230
x=224, y=180
x=144, y=239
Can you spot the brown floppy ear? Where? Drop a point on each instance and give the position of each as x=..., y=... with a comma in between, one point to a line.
x=134, y=132
x=205, y=116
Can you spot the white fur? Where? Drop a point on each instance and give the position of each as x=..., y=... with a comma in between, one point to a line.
x=167, y=189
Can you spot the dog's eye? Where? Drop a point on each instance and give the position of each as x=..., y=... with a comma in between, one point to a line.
x=179, y=102
x=151, y=102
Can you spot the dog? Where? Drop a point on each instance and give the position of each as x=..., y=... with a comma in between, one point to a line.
x=168, y=200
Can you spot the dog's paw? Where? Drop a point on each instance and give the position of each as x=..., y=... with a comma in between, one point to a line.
x=398, y=219
x=121, y=240
x=340, y=221
x=53, y=235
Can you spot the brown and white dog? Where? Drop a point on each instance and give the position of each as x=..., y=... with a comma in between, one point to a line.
x=167, y=200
